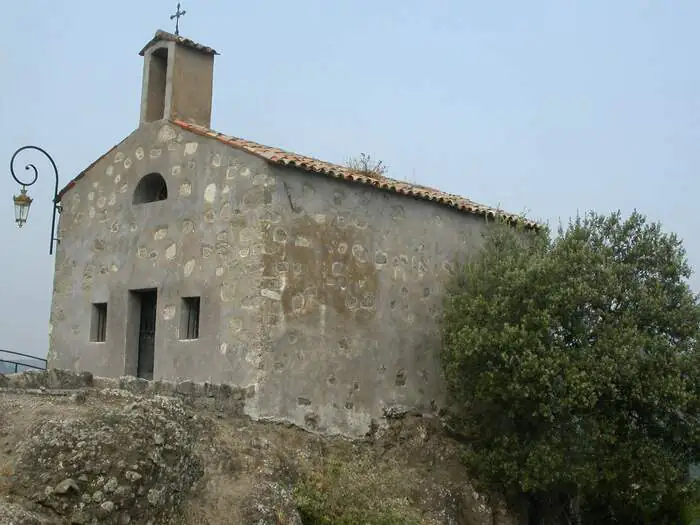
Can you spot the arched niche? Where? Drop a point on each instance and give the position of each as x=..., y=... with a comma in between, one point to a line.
x=151, y=188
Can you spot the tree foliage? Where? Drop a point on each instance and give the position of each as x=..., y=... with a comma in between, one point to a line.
x=572, y=362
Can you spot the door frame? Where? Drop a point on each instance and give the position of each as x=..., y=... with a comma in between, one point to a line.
x=133, y=325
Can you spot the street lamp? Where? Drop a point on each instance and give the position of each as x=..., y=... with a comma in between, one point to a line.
x=23, y=201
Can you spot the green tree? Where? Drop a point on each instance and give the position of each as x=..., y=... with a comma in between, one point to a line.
x=572, y=363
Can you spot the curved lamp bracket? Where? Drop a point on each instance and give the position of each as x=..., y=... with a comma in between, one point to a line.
x=23, y=201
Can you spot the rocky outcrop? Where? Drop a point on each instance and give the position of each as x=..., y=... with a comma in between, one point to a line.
x=126, y=463
x=81, y=450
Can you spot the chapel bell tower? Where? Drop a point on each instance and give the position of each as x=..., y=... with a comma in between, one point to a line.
x=178, y=77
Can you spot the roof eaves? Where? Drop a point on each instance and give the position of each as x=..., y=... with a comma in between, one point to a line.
x=309, y=164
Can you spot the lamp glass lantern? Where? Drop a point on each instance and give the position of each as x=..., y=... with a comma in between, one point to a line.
x=22, y=204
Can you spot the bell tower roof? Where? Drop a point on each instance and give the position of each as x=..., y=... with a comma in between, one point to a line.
x=164, y=36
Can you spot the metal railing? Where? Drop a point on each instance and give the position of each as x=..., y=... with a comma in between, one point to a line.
x=12, y=363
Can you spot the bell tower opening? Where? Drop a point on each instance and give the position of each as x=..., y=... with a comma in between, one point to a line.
x=178, y=77
x=157, y=83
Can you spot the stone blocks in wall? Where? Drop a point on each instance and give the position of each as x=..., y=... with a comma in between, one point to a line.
x=224, y=398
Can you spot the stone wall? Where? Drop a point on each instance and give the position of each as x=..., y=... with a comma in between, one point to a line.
x=322, y=294
x=229, y=400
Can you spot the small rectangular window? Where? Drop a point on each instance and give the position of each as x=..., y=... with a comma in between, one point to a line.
x=98, y=330
x=189, y=318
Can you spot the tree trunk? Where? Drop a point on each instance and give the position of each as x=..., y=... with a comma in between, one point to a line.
x=534, y=510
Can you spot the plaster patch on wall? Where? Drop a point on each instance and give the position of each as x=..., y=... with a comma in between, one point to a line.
x=109, y=171
x=271, y=294
x=161, y=233
x=247, y=235
x=262, y=179
x=223, y=248
x=228, y=291
x=359, y=252
x=280, y=235
x=189, y=267
x=308, y=190
x=337, y=268
x=398, y=213
x=139, y=153
x=191, y=148
x=187, y=226
x=88, y=275
x=185, y=189
x=169, y=312
x=166, y=134
x=448, y=267
x=127, y=163
x=225, y=212
x=235, y=325
x=155, y=153
x=298, y=302
x=360, y=224
x=171, y=251
x=118, y=157
x=210, y=193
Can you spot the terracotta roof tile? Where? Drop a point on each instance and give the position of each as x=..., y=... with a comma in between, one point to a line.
x=312, y=165
x=164, y=35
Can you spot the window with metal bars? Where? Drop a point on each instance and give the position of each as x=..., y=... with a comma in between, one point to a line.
x=98, y=330
x=189, y=318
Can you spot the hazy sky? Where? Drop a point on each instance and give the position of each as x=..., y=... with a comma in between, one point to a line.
x=547, y=107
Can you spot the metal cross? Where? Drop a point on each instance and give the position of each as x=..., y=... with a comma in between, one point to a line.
x=177, y=16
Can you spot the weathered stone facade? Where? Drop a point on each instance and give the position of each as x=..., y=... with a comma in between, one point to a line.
x=320, y=295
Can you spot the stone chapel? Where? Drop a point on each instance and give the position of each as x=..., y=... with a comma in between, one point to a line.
x=189, y=254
